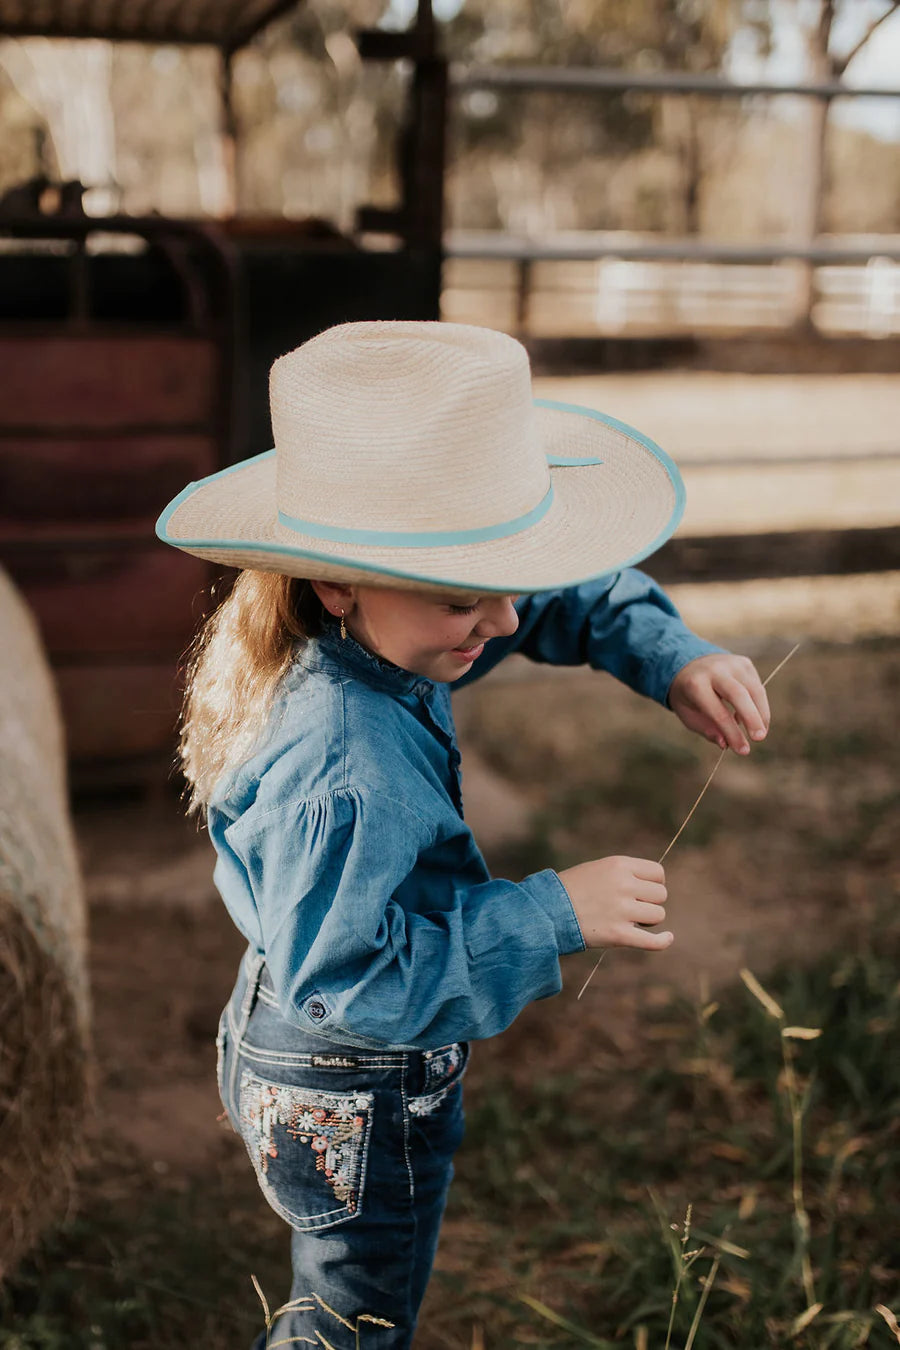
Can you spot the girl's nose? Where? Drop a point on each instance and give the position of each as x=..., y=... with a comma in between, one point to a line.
x=498, y=619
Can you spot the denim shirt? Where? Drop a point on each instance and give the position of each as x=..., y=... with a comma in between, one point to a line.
x=343, y=854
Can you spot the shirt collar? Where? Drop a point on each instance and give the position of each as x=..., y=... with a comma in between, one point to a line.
x=334, y=655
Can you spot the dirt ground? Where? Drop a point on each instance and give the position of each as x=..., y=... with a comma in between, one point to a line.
x=558, y=767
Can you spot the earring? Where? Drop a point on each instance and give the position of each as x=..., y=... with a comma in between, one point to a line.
x=343, y=626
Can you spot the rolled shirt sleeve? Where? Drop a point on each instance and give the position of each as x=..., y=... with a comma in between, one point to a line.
x=623, y=623
x=357, y=952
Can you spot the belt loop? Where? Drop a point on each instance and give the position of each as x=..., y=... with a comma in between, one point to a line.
x=254, y=968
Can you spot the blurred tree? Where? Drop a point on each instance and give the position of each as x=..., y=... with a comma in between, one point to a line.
x=638, y=34
x=825, y=64
x=562, y=131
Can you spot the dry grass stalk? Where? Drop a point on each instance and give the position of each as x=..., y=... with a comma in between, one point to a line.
x=797, y=1107
x=766, y=681
x=708, y=1282
x=889, y=1317
x=805, y=1319
x=684, y=1260
x=310, y=1303
x=762, y=996
x=783, y=662
x=586, y=1337
x=680, y=1274
x=681, y=827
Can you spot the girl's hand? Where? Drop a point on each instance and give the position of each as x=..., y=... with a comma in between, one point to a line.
x=722, y=698
x=617, y=900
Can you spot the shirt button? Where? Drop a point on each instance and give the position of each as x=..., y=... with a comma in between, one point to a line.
x=316, y=1010
x=362, y=1103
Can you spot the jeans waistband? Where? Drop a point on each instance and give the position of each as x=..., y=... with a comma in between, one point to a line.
x=254, y=978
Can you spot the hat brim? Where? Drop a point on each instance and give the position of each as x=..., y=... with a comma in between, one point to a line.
x=603, y=516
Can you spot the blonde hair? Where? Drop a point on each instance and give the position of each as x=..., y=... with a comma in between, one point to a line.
x=233, y=667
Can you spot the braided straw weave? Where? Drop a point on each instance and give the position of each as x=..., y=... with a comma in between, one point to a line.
x=397, y=442
x=43, y=980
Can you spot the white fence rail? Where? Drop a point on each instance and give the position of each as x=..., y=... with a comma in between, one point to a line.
x=614, y=296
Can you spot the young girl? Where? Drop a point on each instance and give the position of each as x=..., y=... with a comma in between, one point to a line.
x=420, y=517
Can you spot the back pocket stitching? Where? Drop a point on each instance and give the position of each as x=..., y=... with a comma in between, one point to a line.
x=336, y=1127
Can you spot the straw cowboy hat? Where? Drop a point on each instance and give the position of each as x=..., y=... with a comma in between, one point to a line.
x=414, y=454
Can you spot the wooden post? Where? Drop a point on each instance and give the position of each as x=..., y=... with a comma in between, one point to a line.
x=229, y=136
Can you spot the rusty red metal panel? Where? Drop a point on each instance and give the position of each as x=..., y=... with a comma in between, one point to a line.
x=123, y=602
x=112, y=478
x=54, y=382
x=118, y=711
x=115, y=390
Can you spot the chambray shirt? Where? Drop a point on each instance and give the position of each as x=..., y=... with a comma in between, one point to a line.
x=343, y=854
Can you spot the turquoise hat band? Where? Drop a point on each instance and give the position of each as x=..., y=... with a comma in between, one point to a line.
x=418, y=538
x=339, y=534
x=432, y=537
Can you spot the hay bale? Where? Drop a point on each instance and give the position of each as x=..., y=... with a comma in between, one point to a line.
x=44, y=1009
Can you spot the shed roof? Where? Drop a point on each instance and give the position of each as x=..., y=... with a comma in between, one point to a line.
x=228, y=24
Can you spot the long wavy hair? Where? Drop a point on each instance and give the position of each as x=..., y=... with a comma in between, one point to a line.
x=232, y=670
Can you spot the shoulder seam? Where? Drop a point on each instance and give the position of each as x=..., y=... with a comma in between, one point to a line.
x=346, y=790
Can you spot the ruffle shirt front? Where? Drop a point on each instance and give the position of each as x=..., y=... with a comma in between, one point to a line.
x=343, y=854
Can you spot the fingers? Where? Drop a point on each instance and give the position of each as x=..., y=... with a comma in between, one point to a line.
x=646, y=909
x=645, y=869
x=722, y=698
x=650, y=892
x=647, y=941
x=761, y=698
x=618, y=901
x=728, y=732
x=648, y=914
x=748, y=709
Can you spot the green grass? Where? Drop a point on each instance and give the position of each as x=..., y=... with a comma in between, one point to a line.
x=555, y=1185
x=563, y=1164
x=146, y=1265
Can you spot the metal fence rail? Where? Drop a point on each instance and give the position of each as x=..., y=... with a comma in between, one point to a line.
x=597, y=80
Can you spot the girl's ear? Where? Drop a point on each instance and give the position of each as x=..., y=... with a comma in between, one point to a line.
x=336, y=596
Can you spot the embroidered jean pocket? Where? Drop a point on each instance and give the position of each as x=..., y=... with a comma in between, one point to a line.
x=445, y=1064
x=445, y=1067
x=308, y=1149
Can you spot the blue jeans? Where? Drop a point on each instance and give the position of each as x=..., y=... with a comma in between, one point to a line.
x=353, y=1149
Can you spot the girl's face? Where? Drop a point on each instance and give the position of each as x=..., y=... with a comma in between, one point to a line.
x=435, y=636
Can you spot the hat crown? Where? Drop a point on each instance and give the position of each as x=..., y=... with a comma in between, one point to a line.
x=397, y=427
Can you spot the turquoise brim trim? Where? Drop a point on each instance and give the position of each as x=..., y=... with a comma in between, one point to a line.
x=353, y=564
x=657, y=451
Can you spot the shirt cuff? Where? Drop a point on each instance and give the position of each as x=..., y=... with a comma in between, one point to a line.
x=549, y=892
x=673, y=655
